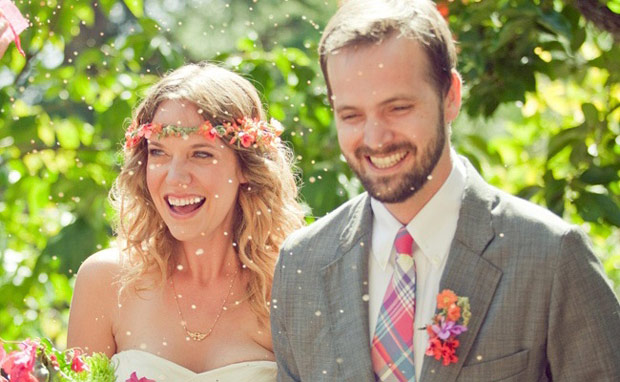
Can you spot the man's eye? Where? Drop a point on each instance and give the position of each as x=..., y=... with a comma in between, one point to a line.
x=348, y=117
x=402, y=107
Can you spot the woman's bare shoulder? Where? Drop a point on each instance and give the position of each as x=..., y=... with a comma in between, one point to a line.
x=101, y=268
x=94, y=307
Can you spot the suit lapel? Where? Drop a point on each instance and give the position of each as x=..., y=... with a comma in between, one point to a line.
x=467, y=273
x=346, y=288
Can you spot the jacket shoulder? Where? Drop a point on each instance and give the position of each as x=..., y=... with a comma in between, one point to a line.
x=326, y=232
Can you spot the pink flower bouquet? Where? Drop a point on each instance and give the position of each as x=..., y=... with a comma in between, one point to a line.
x=38, y=361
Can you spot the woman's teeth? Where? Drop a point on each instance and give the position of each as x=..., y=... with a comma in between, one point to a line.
x=179, y=202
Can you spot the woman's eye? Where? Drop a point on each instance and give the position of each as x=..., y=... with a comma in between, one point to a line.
x=155, y=152
x=202, y=154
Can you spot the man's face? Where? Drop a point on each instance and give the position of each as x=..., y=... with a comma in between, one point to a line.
x=390, y=118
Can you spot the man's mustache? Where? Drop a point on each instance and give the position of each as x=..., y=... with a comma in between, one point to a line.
x=365, y=151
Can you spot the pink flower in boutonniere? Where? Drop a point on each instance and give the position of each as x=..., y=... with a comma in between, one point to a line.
x=134, y=378
x=446, y=326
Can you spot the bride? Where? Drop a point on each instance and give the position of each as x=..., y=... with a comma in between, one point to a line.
x=205, y=197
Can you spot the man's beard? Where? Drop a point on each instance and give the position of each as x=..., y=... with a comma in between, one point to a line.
x=406, y=184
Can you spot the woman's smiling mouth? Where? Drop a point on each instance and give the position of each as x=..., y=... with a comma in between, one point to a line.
x=184, y=205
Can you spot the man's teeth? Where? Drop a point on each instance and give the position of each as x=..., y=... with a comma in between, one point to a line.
x=179, y=202
x=389, y=161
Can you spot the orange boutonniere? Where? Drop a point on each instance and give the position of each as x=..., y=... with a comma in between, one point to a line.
x=447, y=325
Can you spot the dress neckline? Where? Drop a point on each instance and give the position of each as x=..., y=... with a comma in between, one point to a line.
x=186, y=370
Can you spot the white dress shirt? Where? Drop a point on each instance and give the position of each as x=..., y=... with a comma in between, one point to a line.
x=432, y=229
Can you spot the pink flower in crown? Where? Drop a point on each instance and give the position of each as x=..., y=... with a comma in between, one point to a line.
x=134, y=378
x=231, y=127
x=247, y=139
x=19, y=365
x=149, y=129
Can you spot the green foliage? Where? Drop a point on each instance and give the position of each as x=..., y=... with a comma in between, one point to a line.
x=53, y=365
x=541, y=111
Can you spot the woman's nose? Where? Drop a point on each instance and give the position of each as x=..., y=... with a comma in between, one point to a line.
x=178, y=173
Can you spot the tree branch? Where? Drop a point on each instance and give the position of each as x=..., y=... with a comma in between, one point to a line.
x=600, y=15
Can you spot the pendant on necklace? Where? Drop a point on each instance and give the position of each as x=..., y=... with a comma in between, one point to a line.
x=196, y=336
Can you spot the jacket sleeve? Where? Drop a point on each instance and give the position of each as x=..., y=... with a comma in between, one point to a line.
x=287, y=367
x=583, y=342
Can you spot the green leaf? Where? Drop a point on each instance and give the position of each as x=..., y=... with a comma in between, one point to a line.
x=68, y=135
x=594, y=207
x=72, y=245
x=556, y=23
x=564, y=138
x=136, y=7
x=323, y=115
x=590, y=112
x=600, y=175
x=38, y=192
x=554, y=193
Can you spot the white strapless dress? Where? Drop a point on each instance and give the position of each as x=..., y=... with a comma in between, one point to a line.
x=154, y=367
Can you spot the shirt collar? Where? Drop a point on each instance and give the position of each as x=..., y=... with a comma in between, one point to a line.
x=430, y=228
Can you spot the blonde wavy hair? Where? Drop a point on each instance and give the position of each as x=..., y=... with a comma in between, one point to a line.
x=266, y=210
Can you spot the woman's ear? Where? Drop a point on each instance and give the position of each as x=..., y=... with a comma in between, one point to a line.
x=241, y=177
x=452, y=100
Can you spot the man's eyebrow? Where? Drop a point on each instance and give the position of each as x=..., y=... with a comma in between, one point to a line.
x=398, y=97
x=344, y=108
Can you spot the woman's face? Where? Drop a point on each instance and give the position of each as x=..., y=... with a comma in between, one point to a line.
x=193, y=181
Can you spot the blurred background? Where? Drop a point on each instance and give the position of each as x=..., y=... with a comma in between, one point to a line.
x=540, y=117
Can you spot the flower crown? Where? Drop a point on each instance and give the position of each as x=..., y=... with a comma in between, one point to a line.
x=244, y=132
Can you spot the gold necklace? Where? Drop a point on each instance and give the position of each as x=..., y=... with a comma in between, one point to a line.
x=196, y=335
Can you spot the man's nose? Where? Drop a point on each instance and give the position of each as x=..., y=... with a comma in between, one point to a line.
x=377, y=133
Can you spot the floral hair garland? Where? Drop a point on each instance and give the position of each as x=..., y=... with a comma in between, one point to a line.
x=245, y=132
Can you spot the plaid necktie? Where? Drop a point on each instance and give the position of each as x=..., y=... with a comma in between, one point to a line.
x=392, y=344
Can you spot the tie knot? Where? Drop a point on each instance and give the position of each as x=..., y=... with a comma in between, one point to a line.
x=403, y=242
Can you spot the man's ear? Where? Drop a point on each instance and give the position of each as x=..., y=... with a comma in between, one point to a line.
x=452, y=100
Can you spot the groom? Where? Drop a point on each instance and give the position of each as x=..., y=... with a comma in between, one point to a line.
x=354, y=291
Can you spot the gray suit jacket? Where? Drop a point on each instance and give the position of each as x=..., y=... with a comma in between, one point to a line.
x=541, y=308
